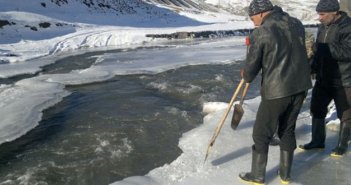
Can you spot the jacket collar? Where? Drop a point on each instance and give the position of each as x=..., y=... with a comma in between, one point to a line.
x=276, y=10
x=342, y=18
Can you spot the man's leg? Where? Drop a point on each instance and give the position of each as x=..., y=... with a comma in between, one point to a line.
x=258, y=168
x=267, y=119
x=286, y=131
x=275, y=140
x=343, y=108
x=264, y=128
x=344, y=137
x=319, y=109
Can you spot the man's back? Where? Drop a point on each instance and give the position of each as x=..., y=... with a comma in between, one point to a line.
x=279, y=43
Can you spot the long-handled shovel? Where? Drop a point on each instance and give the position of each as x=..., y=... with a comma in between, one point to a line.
x=221, y=122
x=238, y=109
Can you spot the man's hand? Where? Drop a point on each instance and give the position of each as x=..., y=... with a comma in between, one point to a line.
x=242, y=73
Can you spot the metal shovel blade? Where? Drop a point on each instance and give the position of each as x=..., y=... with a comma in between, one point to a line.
x=237, y=115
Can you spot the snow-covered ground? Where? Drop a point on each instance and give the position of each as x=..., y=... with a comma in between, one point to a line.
x=75, y=29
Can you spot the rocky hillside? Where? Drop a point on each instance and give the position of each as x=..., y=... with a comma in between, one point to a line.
x=141, y=10
x=42, y=19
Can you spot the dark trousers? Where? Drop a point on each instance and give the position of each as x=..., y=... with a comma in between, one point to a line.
x=278, y=114
x=322, y=96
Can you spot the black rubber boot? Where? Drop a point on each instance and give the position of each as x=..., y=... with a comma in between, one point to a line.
x=344, y=136
x=258, y=168
x=286, y=159
x=318, y=135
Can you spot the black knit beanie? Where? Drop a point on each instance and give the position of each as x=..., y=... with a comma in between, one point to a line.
x=328, y=6
x=259, y=6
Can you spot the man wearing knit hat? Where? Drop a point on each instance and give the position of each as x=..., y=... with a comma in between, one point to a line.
x=332, y=65
x=278, y=50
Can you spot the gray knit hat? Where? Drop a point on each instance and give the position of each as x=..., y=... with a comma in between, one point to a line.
x=328, y=6
x=259, y=6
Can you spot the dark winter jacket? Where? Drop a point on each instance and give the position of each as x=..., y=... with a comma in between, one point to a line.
x=278, y=50
x=332, y=61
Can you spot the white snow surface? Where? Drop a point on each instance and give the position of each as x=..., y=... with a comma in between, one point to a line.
x=24, y=51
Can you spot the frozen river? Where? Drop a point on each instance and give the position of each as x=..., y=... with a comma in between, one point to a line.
x=127, y=124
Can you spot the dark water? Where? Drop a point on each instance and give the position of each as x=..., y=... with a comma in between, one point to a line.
x=104, y=132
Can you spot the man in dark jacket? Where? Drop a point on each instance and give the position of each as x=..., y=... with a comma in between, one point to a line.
x=332, y=65
x=277, y=50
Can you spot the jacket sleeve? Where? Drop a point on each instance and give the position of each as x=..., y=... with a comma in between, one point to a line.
x=254, y=57
x=341, y=49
